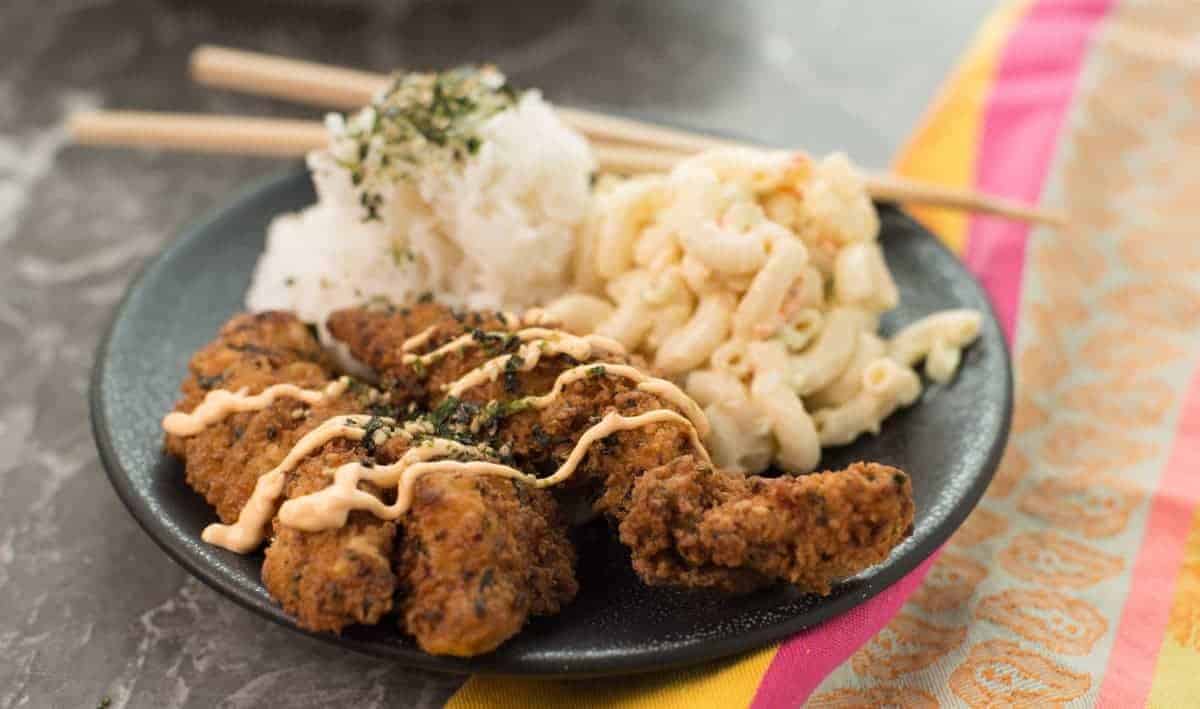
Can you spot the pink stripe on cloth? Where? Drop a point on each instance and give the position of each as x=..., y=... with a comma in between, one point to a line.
x=1035, y=82
x=1032, y=90
x=1130, y=671
x=803, y=662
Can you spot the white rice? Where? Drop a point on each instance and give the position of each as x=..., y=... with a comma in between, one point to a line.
x=496, y=230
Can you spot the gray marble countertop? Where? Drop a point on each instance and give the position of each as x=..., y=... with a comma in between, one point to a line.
x=89, y=607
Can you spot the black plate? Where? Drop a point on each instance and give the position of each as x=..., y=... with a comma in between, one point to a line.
x=950, y=442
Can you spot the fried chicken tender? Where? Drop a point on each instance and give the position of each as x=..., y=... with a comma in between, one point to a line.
x=375, y=332
x=477, y=556
x=326, y=579
x=666, y=549
x=480, y=555
x=334, y=577
x=539, y=440
x=687, y=521
x=251, y=351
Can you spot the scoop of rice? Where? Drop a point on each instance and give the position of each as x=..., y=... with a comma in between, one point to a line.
x=495, y=229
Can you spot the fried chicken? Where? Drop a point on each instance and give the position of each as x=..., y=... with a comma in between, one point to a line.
x=375, y=332
x=326, y=579
x=689, y=522
x=480, y=555
x=820, y=527
x=477, y=555
x=538, y=440
x=331, y=578
x=252, y=352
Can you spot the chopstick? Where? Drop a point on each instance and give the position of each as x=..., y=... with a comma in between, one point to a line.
x=245, y=135
x=190, y=132
x=614, y=138
x=345, y=89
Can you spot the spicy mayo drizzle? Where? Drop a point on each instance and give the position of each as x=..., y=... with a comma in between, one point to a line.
x=220, y=403
x=565, y=343
x=329, y=508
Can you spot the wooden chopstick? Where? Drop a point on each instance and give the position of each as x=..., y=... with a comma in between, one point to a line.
x=302, y=82
x=244, y=135
x=614, y=138
x=900, y=190
x=192, y=132
x=326, y=86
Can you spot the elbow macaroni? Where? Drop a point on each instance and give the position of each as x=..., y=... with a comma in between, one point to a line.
x=886, y=386
x=757, y=277
x=938, y=339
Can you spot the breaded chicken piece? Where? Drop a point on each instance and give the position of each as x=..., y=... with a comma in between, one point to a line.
x=539, y=440
x=252, y=351
x=688, y=521
x=469, y=542
x=327, y=579
x=375, y=333
x=334, y=577
x=477, y=555
x=480, y=555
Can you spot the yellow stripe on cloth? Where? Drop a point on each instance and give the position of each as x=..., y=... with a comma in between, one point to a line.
x=1176, y=679
x=942, y=150
x=730, y=683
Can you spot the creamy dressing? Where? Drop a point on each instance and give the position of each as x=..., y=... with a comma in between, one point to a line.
x=418, y=340
x=329, y=508
x=222, y=402
x=249, y=531
x=567, y=344
x=651, y=385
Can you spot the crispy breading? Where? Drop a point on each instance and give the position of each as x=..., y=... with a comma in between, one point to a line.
x=374, y=334
x=224, y=461
x=481, y=554
x=334, y=577
x=688, y=520
x=539, y=440
x=477, y=555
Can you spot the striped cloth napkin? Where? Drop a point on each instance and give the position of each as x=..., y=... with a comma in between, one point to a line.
x=1077, y=580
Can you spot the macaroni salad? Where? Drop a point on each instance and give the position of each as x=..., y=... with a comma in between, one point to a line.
x=756, y=279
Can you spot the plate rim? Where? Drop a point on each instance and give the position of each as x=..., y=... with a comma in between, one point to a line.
x=627, y=663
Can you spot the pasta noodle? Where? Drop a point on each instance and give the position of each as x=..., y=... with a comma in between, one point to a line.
x=709, y=387
x=695, y=341
x=799, y=449
x=829, y=356
x=757, y=278
x=949, y=329
x=886, y=386
x=732, y=357
x=861, y=277
x=630, y=206
x=802, y=330
x=870, y=348
x=757, y=315
x=739, y=441
x=579, y=312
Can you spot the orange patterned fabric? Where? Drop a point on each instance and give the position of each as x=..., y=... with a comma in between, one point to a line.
x=1077, y=580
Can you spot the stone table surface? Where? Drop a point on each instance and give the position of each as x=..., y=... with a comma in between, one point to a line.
x=90, y=608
